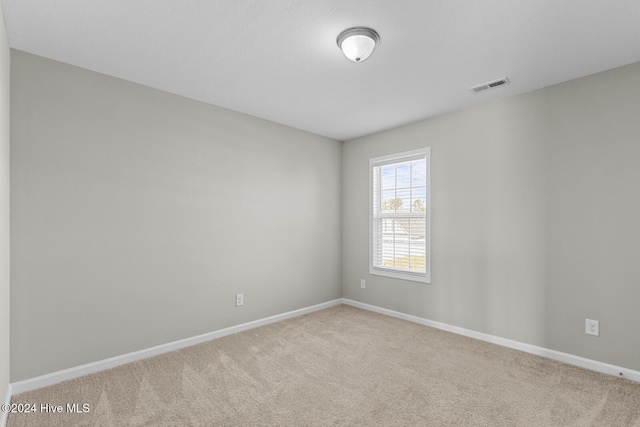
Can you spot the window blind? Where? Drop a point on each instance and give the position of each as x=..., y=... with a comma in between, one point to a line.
x=400, y=208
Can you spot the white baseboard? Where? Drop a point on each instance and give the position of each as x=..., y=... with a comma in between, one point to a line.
x=101, y=365
x=582, y=362
x=7, y=400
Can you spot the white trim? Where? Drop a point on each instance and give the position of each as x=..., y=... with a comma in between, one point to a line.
x=4, y=416
x=90, y=368
x=559, y=356
x=397, y=157
x=403, y=275
x=101, y=365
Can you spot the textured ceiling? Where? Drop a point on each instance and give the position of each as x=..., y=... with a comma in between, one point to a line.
x=278, y=59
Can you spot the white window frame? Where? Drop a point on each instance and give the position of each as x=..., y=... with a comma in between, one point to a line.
x=391, y=272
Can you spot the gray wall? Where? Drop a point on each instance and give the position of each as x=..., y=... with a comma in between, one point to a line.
x=137, y=216
x=4, y=209
x=536, y=201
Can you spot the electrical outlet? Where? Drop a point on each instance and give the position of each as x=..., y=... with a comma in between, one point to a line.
x=592, y=327
x=239, y=299
x=363, y=284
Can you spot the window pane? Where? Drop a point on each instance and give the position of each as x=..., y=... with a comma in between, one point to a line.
x=418, y=263
x=388, y=201
x=403, y=175
x=403, y=200
x=418, y=173
x=417, y=230
x=402, y=243
x=417, y=258
x=388, y=235
x=419, y=199
x=388, y=177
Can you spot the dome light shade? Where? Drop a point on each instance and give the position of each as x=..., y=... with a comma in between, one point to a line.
x=358, y=43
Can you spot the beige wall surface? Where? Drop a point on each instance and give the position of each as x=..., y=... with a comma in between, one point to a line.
x=137, y=215
x=535, y=209
x=4, y=208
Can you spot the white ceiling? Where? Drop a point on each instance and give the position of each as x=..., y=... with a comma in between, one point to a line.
x=278, y=59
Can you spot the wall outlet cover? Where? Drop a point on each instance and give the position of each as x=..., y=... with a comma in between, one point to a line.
x=592, y=327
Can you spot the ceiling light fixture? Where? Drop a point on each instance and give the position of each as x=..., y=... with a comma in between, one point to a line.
x=358, y=43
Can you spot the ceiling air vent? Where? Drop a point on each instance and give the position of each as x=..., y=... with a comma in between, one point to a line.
x=490, y=85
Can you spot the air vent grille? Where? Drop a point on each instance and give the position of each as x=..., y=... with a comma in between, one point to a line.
x=490, y=85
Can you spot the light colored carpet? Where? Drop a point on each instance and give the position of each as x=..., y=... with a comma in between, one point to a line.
x=342, y=367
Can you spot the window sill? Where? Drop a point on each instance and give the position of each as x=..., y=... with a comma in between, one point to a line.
x=402, y=276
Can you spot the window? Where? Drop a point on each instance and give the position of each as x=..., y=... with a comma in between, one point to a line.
x=399, y=216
